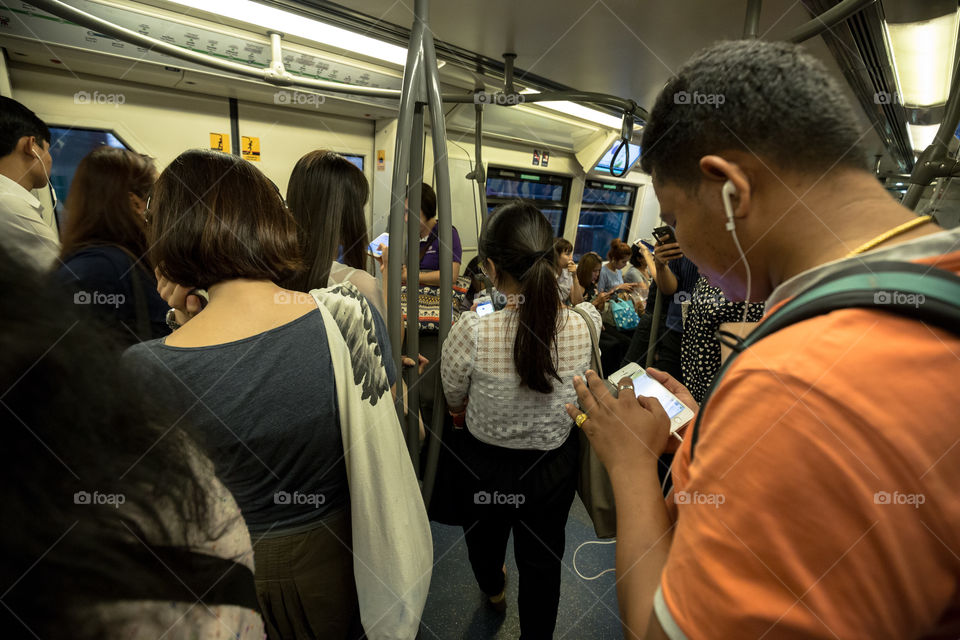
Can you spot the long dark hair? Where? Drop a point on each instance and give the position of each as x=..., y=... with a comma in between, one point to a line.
x=99, y=211
x=518, y=239
x=89, y=432
x=326, y=195
x=585, y=268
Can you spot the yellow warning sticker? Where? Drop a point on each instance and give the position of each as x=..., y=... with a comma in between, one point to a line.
x=381, y=159
x=250, y=148
x=220, y=142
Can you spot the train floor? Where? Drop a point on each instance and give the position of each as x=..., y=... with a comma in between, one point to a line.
x=456, y=609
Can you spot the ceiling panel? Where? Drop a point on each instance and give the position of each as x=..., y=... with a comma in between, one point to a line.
x=624, y=47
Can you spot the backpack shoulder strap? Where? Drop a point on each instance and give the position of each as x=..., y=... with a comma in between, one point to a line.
x=909, y=289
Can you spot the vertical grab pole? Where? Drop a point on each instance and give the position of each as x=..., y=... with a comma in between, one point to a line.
x=937, y=151
x=654, y=327
x=412, y=72
x=751, y=23
x=439, y=134
x=479, y=174
x=413, y=277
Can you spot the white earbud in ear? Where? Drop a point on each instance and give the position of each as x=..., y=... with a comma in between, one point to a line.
x=729, y=189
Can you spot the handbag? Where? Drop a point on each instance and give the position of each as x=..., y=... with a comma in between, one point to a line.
x=593, y=485
x=391, y=541
x=428, y=303
x=624, y=314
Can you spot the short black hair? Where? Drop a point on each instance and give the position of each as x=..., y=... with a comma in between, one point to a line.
x=428, y=201
x=768, y=98
x=16, y=121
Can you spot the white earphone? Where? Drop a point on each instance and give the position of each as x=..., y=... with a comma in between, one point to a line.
x=53, y=193
x=726, y=193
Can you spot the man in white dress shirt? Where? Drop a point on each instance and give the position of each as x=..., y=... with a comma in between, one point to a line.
x=25, y=164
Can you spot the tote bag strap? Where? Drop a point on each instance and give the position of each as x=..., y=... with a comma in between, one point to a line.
x=594, y=341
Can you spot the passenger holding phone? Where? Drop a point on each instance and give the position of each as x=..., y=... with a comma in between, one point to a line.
x=816, y=498
x=611, y=278
x=326, y=195
x=515, y=367
x=430, y=241
x=588, y=274
x=676, y=276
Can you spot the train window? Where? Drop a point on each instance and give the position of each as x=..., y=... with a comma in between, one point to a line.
x=605, y=214
x=621, y=159
x=357, y=160
x=68, y=146
x=549, y=192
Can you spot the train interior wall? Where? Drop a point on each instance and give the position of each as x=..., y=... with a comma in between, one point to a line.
x=162, y=122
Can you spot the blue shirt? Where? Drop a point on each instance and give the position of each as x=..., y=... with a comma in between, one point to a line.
x=687, y=276
x=609, y=279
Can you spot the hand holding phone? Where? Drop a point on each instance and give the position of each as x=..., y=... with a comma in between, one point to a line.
x=664, y=235
x=483, y=305
x=644, y=385
x=374, y=247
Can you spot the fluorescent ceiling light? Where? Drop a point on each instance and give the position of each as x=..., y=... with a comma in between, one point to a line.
x=922, y=135
x=578, y=111
x=923, y=58
x=296, y=25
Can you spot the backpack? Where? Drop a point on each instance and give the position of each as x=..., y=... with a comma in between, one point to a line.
x=917, y=291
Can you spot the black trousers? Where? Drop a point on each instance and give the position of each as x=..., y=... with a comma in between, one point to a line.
x=530, y=493
x=668, y=353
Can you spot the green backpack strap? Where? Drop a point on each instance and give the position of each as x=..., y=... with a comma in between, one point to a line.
x=916, y=291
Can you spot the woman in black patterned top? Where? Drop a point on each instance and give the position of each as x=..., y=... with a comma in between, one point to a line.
x=700, y=351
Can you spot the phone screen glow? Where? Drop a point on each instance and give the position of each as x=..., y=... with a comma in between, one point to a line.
x=484, y=308
x=644, y=385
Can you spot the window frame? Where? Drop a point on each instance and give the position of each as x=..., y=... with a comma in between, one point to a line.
x=512, y=173
x=598, y=207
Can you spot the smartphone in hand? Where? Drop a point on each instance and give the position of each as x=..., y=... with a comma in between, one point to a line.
x=374, y=247
x=643, y=385
x=664, y=235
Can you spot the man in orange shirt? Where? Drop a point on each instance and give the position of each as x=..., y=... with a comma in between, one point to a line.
x=820, y=500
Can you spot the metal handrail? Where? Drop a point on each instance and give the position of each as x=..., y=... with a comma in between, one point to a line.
x=828, y=19
x=272, y=74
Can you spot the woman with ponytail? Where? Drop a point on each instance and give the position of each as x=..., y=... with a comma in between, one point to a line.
x=507, y=376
